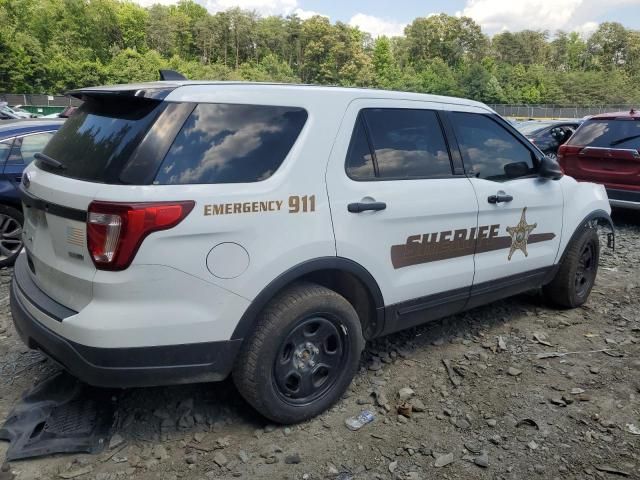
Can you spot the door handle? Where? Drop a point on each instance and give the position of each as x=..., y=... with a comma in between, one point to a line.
x=499, y=198
x=358, y=207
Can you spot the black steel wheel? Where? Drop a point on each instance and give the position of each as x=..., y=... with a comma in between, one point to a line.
x=310, y=360
x=586, y=270
x=577, y=271
x=302, y=354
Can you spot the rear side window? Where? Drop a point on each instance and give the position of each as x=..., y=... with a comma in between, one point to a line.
x=25, y=148
x=608, y=134
x=229, y=143
x=5, y=148
x=490, y=151
x=96, y=142
x=398, y=144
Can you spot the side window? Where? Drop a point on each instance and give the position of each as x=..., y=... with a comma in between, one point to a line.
x=402, y=144
x=26, y=147
x=489, y=150
x=5, y=148
x=359, y=158
x=231, y=143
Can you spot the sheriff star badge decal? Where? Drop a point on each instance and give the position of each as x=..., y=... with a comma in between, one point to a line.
x=520, y=234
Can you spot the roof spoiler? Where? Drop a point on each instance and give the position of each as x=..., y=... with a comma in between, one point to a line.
x=171, y=75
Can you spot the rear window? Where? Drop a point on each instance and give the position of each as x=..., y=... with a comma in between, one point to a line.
x=608, y=134
x=96, y=142
x=229, y=143
x=532, y=127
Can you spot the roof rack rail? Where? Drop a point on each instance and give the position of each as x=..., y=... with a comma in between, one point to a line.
x=171, y=75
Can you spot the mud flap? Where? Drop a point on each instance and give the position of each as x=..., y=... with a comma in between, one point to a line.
x=59, y=415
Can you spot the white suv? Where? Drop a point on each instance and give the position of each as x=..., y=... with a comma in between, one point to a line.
x=184, y=231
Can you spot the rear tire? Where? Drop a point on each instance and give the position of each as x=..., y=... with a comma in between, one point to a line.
x=302, y=354
x=11, y=222
x=574, y=280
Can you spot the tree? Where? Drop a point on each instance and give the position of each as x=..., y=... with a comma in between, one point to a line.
x=451, y=39
x=608, y=46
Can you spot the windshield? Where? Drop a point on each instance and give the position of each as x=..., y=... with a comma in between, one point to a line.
x=608, y=133
x=98, y=140
x=531, y=128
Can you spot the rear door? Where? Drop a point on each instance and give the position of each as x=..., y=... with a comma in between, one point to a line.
x=402, y=208
x=605, y=151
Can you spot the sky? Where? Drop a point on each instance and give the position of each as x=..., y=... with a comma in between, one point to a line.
x=380, y=17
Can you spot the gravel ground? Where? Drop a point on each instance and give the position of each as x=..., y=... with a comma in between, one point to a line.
x=512, y=390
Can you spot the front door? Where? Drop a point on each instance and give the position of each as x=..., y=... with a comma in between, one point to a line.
x=399, y=210
x=520, y=214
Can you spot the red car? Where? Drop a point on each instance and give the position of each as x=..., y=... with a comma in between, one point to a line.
x=606, y=149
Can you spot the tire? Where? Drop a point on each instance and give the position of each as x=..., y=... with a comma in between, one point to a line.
x=302, y=354
x=11, y=222
x=574, y=280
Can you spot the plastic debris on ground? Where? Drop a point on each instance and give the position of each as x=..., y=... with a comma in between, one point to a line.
x=59, y=415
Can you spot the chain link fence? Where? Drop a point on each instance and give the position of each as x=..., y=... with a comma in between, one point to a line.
x=58, y=102
x=554, y=111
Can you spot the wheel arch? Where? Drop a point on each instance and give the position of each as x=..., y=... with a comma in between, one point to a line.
x=597, y=216
x=346, y=277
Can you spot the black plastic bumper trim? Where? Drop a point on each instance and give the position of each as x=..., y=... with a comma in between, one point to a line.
x=31, y=201
x=623, y=195
x=125, y=367
x=29, y=289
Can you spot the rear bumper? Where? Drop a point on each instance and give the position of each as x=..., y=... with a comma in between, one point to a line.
x=113, y=367
x=624, y=198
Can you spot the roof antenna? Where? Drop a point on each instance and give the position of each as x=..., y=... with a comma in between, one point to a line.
x=632, y=111
x=171, y=75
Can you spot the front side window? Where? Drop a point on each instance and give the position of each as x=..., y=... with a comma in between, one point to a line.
x=230, y=143
x=398, y=144
x=489, y=150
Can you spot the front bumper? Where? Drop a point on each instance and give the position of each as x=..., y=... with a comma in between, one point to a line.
x=113, y=367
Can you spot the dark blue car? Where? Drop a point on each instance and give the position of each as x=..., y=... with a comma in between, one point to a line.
x=20, y=140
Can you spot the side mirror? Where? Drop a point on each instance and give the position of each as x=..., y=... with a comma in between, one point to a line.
x=550, y=169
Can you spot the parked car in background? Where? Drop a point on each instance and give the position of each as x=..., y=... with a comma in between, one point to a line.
x=20, y=140
x=548, y=136
x=606, y=150
x=6, y=112
x=66, y=113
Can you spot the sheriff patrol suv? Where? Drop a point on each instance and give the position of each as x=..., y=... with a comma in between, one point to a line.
x=183, y=231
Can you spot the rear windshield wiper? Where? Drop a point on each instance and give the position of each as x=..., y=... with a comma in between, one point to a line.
x=622, y=140
x=47, y=160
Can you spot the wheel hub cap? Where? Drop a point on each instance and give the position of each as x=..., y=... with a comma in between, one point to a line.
x=309, y=360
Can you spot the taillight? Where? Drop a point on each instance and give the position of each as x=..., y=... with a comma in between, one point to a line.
x=116, y=230
x=561, y=151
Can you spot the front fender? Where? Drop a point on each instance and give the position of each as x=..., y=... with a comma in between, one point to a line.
x=584, y=203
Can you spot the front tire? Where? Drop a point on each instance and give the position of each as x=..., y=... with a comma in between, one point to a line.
x=574, y=280
x=302, y=355
x=11, y=222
